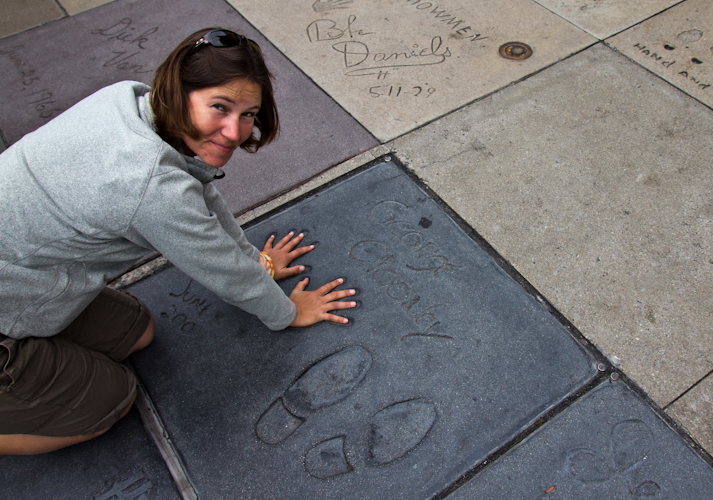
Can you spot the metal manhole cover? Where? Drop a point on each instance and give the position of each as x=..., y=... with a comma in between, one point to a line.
x=517, y=51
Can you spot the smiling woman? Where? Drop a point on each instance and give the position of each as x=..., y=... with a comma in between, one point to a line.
x=145, y=161
x=223, y=118
x=218, y=59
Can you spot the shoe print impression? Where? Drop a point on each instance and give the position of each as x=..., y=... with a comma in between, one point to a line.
x=327, y=382
x=327, y=459
x=393, y=431
x=631, y=442
x=399, y=428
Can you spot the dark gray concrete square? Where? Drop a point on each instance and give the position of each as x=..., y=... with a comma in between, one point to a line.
x=121, y=464
x=609, y=444
x=45, y=70
x=445, y=360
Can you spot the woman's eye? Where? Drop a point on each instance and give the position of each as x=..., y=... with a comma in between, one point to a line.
x=219, y=107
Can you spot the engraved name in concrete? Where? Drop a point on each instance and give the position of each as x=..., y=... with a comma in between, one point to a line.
x=395, y=65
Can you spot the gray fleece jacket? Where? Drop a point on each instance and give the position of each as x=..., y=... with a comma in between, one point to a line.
x=86, y=195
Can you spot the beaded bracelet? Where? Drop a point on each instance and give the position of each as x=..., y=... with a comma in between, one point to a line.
x=269, y=261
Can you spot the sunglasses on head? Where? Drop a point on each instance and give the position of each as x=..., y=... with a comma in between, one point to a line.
x=221, y=38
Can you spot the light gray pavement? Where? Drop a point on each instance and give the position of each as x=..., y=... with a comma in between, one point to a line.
x=593, y=179
x=589, y=172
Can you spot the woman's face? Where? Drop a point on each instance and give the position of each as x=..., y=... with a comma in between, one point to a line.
x=224, y=117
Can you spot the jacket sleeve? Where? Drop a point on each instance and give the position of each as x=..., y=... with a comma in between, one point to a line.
x=215, y=203
x=190, y=224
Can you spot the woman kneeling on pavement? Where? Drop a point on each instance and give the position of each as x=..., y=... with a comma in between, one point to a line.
x=125, y=172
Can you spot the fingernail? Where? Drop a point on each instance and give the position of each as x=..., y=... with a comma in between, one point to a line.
x=353, y=304
x=340, y=280
x=352, y=292
x=345, y=320
x=302, y=268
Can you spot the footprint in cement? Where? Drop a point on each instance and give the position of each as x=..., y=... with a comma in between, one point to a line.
x=325, y=383
x=327, y=459
x=630, y=444
x=395, y=430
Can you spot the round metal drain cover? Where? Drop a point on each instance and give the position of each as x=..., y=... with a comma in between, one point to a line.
x=517, y=51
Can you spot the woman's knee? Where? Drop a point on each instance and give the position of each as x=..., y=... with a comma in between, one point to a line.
x=145, y=339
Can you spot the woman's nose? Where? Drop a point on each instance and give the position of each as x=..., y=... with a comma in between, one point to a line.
x=231, y=130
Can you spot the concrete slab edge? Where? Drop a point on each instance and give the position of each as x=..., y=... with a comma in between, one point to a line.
x=156, y=429
x=609, y=364
x=152, y=267
x=612, y=47
x=704, y=377
x=314, y=183
x=608, y=368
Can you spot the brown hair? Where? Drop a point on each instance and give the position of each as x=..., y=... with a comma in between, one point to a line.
x=187, y=69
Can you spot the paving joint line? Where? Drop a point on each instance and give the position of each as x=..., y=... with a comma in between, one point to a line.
x=609, y=366
x=671, y=422
x=599, y=379
x=688, y=390
x=505, y=265
x=337, y=174
x=302, y=71
x=278, y=203
x=500, y=89
x=61, y=7
x=660, y=77
x=161, y=438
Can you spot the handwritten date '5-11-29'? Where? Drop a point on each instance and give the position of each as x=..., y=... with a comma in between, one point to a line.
x=399, y=91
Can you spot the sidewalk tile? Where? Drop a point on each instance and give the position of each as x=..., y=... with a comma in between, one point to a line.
x=76, y=6
x=397, y=65
x=121, y=464
x=19, y=15
x=604, y=18
x=446, y=359
x=676, y=45
x=694, y=411
x=46, y=70
x=609, y=444
x=593, y=180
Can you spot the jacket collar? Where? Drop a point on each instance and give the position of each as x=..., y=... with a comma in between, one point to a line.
x=201, y=170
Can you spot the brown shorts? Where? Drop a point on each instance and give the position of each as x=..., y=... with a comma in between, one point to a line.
x=71, y=383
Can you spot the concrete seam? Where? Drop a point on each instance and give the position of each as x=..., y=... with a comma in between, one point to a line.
x=157, y=430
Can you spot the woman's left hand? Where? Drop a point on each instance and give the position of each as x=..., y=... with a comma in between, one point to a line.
x=284, y=252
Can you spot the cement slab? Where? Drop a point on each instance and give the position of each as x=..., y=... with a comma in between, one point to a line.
x=592, y=179
x=604, y=18
x=46, y=70
x=396, y=65
x=694, y=412
x=609, y=444
x=677, y=45
x=121, y=464
x=446, y=358
x=74, y=7
x=19, y=15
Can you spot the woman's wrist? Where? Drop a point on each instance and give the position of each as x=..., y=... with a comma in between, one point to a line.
x=266, y=262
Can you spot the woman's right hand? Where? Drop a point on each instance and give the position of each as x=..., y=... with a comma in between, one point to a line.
x=314, y=306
